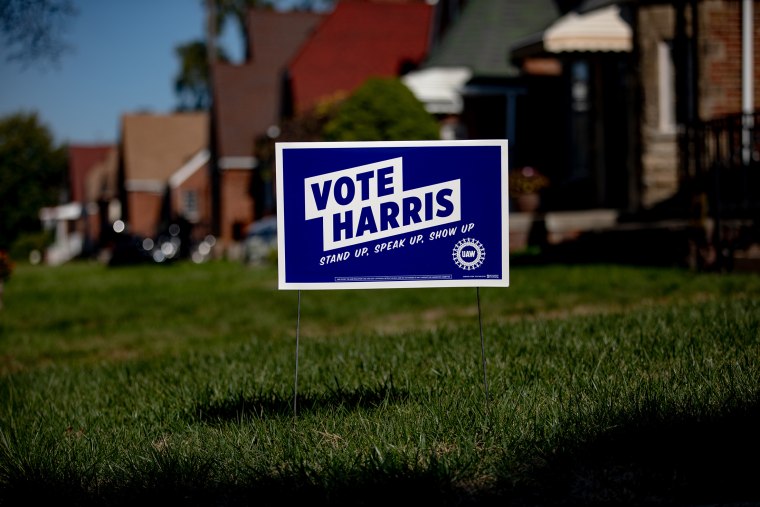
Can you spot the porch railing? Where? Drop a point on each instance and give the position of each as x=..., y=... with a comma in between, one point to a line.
x=729, y=167
x=727, y=161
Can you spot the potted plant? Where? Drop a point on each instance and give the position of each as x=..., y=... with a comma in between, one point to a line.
x=6, y=268
x=525, y=186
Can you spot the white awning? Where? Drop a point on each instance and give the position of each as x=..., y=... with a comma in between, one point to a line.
x=439, y=88
x=598, y=30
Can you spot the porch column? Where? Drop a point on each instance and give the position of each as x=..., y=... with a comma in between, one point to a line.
x=747, y=80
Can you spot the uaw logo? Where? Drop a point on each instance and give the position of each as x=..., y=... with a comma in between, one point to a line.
x=469, y=254
x=369, y=202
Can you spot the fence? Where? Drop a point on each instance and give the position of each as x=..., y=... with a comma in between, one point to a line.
x=728, y=172
x=730, y=165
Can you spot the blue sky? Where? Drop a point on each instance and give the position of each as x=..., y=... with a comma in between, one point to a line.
x=121, y=60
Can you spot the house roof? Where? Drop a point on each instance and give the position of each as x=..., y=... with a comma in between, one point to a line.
x=155, y=146
x=356, y=41
x=248, y=96
x=482, y=35
x=82, y=160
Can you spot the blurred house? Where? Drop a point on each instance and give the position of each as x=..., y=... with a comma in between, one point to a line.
x=297, y=60
x=592, y=110
x=103, y=207
x=76, y=224
x=640, y=112
x=249, y=101
x=636, y=110
x=163, y=173
x=658, y=108
x=468, y=82
x=468, y=59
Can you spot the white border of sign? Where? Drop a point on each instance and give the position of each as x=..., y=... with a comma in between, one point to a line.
x=504, y=282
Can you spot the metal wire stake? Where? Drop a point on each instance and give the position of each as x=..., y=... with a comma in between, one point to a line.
x=482, y=346
x=298, y=331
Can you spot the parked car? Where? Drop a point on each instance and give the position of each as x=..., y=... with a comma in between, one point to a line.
x=261, y=241
x=170, y=245
x=127, y=249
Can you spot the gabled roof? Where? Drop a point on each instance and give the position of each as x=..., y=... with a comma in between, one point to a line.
x=82, y=160
x=155, y=146
x=486, y=29
x=356, y=41
x=248, y=96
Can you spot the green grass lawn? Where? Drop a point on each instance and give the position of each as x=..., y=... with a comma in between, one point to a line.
x=173, y=385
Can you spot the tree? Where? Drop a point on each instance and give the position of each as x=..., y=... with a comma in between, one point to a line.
x=31, y=30
x=192, y=84
x=32, y=175
x=237, y=11
x=382, y=109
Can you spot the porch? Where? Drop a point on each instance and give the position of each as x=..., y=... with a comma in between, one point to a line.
x=605, y=235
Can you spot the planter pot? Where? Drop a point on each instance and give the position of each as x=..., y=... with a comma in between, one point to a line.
x=527, y=203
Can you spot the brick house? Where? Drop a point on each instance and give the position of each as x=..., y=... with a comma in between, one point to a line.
x=679, y=92
x=248, y=105
x=472, y=85
x=76, y=225
x=684, y=66
x=86, y=162
x=163, y=172
x=101, y=195
x=686, y=88
x=297, y=58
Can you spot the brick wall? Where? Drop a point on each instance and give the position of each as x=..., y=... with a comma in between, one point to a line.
x=721, y=47
x=720, y=81
x=144, y=213
x=237, y=204
x=199, y=184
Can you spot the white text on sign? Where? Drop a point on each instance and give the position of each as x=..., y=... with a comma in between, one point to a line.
x=367, y=203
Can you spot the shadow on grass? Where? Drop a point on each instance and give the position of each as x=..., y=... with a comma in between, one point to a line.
x=645, y=458
x=272, y=404
x=649, y=459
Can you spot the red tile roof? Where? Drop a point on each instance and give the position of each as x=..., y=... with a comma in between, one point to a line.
x=356, y=41
x=248, y=96
x=82, y=160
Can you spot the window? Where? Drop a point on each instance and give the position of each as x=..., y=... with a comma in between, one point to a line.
x=190, y=205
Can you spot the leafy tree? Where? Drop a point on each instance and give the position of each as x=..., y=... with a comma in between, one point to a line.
x=32, y=175
x=382, y=109
x=192, y=83
x=31, y=30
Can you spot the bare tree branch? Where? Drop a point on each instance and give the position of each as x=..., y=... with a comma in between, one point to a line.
x=32, y=30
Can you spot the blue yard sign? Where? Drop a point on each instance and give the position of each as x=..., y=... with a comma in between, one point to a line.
x=357, y=215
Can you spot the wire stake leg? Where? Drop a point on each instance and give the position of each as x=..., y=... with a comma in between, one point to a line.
x=482, y=346
x=295, y=384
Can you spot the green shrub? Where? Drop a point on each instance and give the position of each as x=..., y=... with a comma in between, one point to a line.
x=382, y=109
x=30, y=241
